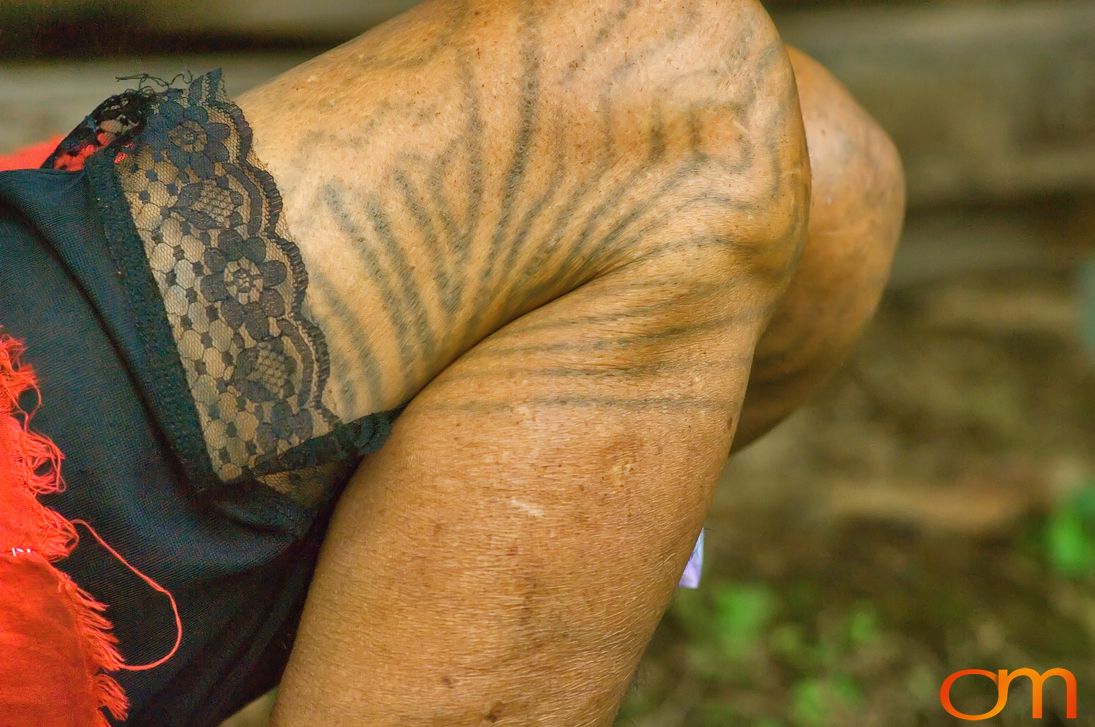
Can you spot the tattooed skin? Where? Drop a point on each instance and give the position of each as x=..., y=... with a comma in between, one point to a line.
x=856, y=215
x=564, y=230
x=440, y=187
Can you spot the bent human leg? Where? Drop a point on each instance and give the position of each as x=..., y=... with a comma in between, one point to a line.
x=611, y=246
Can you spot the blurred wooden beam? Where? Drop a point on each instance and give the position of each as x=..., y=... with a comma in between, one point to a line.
x=43, y=99
x=986, y=101
x=313, y=19
x=953, y=243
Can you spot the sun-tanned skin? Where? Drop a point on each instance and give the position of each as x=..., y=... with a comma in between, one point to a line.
x=470, y=161
x=856, y=213
x=562, y=228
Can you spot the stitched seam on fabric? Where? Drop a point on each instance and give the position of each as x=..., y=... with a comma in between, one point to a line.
x=178, y=414
x=345, y=440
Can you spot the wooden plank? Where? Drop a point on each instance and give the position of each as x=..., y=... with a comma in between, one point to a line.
x=329, y=20
x=332, y=20
x=986, y=101
x=43, y=99
x=956, y=243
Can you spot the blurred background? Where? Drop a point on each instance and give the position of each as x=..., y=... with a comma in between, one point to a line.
x=934, y=509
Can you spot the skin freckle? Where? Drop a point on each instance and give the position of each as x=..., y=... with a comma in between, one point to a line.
x=495, y=713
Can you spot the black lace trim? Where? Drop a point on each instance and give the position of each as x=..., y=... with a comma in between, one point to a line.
x=112, y=123
x=237, y=366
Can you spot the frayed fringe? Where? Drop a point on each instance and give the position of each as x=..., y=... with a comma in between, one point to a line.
x=35, y=465
x=35, y=461
x=111, y=697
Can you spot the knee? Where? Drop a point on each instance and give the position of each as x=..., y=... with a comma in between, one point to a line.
x=858, y=203
x=704, y=91
x=856, y=213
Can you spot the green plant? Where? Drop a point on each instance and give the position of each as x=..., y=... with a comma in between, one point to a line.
x=1070, y=534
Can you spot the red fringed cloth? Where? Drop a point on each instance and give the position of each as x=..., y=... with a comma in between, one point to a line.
x=55, y=644
x=56, y=647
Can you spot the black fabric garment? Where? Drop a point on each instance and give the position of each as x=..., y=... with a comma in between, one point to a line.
x=237, y=555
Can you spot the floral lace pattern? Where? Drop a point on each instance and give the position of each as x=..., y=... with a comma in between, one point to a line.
x=233, y=284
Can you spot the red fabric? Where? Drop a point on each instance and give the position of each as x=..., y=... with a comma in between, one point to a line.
x=30, y=157
x=55, y=644
x=48, y=671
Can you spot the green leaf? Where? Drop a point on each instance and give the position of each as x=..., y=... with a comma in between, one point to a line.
x=692, y=612
x=847, y=690
x=1083, y=502
x=1070, y=534
x=809, y=706
x=817, y=702
x=741, y=614
x=863, y=627
x=1070, y=547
